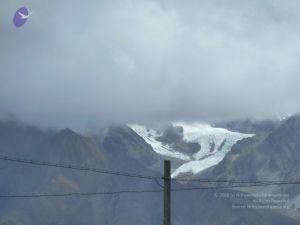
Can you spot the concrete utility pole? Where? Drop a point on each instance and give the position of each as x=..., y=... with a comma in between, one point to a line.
x=167, y=192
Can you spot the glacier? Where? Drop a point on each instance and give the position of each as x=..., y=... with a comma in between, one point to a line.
x=215, y=144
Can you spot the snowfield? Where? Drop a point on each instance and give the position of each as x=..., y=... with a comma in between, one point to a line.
x=149, y=136
x=215, y=144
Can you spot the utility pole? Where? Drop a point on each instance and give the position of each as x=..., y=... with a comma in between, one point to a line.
x=167, y=192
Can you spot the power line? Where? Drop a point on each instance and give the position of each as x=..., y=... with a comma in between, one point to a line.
x=72, y=194
x=158, y=183
x=235, y=186
x=118, y=173
x=142, y=191
x=233, y=181
x=73, y=167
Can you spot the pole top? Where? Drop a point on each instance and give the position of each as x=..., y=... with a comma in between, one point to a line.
x=167, y=170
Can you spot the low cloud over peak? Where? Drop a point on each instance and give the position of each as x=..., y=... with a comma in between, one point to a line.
x=76, y=63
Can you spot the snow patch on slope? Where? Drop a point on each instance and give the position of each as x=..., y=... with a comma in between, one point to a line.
x=215, y=144
x=212, y=140
x=150, y=135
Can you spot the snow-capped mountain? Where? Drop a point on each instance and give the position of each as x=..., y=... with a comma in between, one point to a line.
x=213, y=144
x=273, y=153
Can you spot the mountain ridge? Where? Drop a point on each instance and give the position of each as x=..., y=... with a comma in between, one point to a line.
x=119, y=148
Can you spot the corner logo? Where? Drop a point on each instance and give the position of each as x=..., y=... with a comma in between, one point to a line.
x=21, y=16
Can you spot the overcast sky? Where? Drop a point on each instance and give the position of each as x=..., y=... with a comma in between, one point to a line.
x=81, y=62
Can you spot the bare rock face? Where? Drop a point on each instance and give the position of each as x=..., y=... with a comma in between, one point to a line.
x=276, y=156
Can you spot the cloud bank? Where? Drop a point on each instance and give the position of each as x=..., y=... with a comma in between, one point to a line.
x=87, y=62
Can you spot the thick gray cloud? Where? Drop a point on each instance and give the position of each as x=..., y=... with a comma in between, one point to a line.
x=87, y=62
